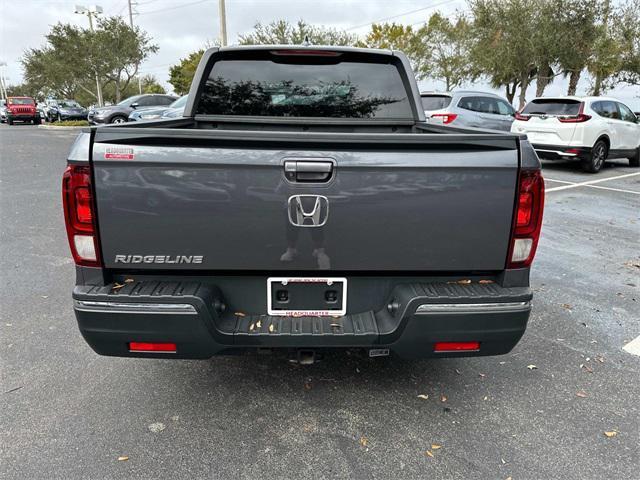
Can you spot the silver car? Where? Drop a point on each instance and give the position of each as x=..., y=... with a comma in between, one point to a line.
x=465, y=108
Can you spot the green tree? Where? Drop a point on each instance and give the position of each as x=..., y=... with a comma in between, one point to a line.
x=393, y=36
x=118, y=51
x=66, y=65
x=577, y=32
x=503, y=48
x=446, y=45
x=281, y=32
x=630, y=43
x=181, y=75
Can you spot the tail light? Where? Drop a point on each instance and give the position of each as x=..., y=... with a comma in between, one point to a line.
x=528, y=219
x=581, y=117
x=447, y=118
x=521, y=117
x=79, y=215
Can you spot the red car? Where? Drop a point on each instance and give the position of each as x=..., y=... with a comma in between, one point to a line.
x=22, y=109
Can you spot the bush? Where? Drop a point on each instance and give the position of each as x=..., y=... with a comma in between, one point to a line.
x=70, y=123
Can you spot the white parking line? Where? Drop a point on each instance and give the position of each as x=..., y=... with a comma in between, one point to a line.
x=613, y=189
x=591, y=182
x=633, y=347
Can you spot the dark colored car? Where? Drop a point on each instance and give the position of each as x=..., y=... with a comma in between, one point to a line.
x=22, y=109
x=120, y=112
x=302, y=203
x=154, y=113
x=59, y=110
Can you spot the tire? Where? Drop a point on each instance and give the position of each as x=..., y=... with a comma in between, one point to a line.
x=634, y=161
x=37, y=121
x=10, y=121
x=596, y=159
x=118, y=119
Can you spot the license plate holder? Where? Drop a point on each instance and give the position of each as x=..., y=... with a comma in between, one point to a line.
x=307, y=296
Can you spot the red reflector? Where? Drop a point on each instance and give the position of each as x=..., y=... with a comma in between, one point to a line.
x=573, y=150
x=522, y=118
x=456, y=346
x=152, y=347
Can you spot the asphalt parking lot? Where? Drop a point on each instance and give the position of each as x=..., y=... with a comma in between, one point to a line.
x=539, y=412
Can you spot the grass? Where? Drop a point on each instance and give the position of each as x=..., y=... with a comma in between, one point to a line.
x=70, y=123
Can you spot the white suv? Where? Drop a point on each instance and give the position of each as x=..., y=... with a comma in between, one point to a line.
x=589, y=129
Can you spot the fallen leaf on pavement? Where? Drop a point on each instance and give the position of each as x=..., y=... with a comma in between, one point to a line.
x=600, y=359
x=429, y=454
x=610, y=434
x=485, y=282
x=123, y=458
x=532, y=367
x=587, y=368
x=364, y=442
x=566, y=306
x=423, y=397
x=482, y=375
x=435, y=446
x=581, y=394
x=443, y=398
x=129, y=280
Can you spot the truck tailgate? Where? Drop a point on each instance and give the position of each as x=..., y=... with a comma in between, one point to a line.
x=218, y=206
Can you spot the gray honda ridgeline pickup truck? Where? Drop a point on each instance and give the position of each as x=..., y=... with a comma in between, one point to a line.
x=302, y=203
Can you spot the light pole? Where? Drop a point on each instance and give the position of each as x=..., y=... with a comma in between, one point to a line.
x=131, y=4
x=90, y=13
x=223, y=23
x=3, y=85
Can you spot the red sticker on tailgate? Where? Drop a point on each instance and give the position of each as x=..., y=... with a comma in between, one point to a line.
x=119, y=153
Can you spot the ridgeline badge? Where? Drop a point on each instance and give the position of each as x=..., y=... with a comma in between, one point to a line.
x=160, y=259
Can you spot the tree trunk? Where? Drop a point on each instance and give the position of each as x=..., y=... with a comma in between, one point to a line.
x=597, y=85
x=574, y=77
x=511, y=91
x=524, y=83
x=117, y=87
x=448, y=82
x=545, y=74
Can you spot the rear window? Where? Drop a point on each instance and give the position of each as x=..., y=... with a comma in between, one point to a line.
x=305, y=86
x=435, y=102
x=549, y=106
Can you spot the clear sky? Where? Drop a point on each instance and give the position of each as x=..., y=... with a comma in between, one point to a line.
x=181, y=26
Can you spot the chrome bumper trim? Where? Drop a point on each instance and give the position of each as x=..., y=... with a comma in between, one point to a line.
x=122, y=307
x=472, y=307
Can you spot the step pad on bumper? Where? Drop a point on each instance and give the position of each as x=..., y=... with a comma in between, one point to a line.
x=359, y=329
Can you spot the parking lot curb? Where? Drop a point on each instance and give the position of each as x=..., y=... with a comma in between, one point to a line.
x=53, y=127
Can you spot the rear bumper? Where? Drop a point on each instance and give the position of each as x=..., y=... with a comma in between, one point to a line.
x=192, y=316
x=556, y=152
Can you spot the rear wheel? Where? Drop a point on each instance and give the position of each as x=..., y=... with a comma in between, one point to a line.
x=10, y=121
x=118, y=119
x=37, y=121
x=594, y=162
x=634, y=160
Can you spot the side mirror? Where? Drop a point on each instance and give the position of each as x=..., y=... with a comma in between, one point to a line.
x=135, y=105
